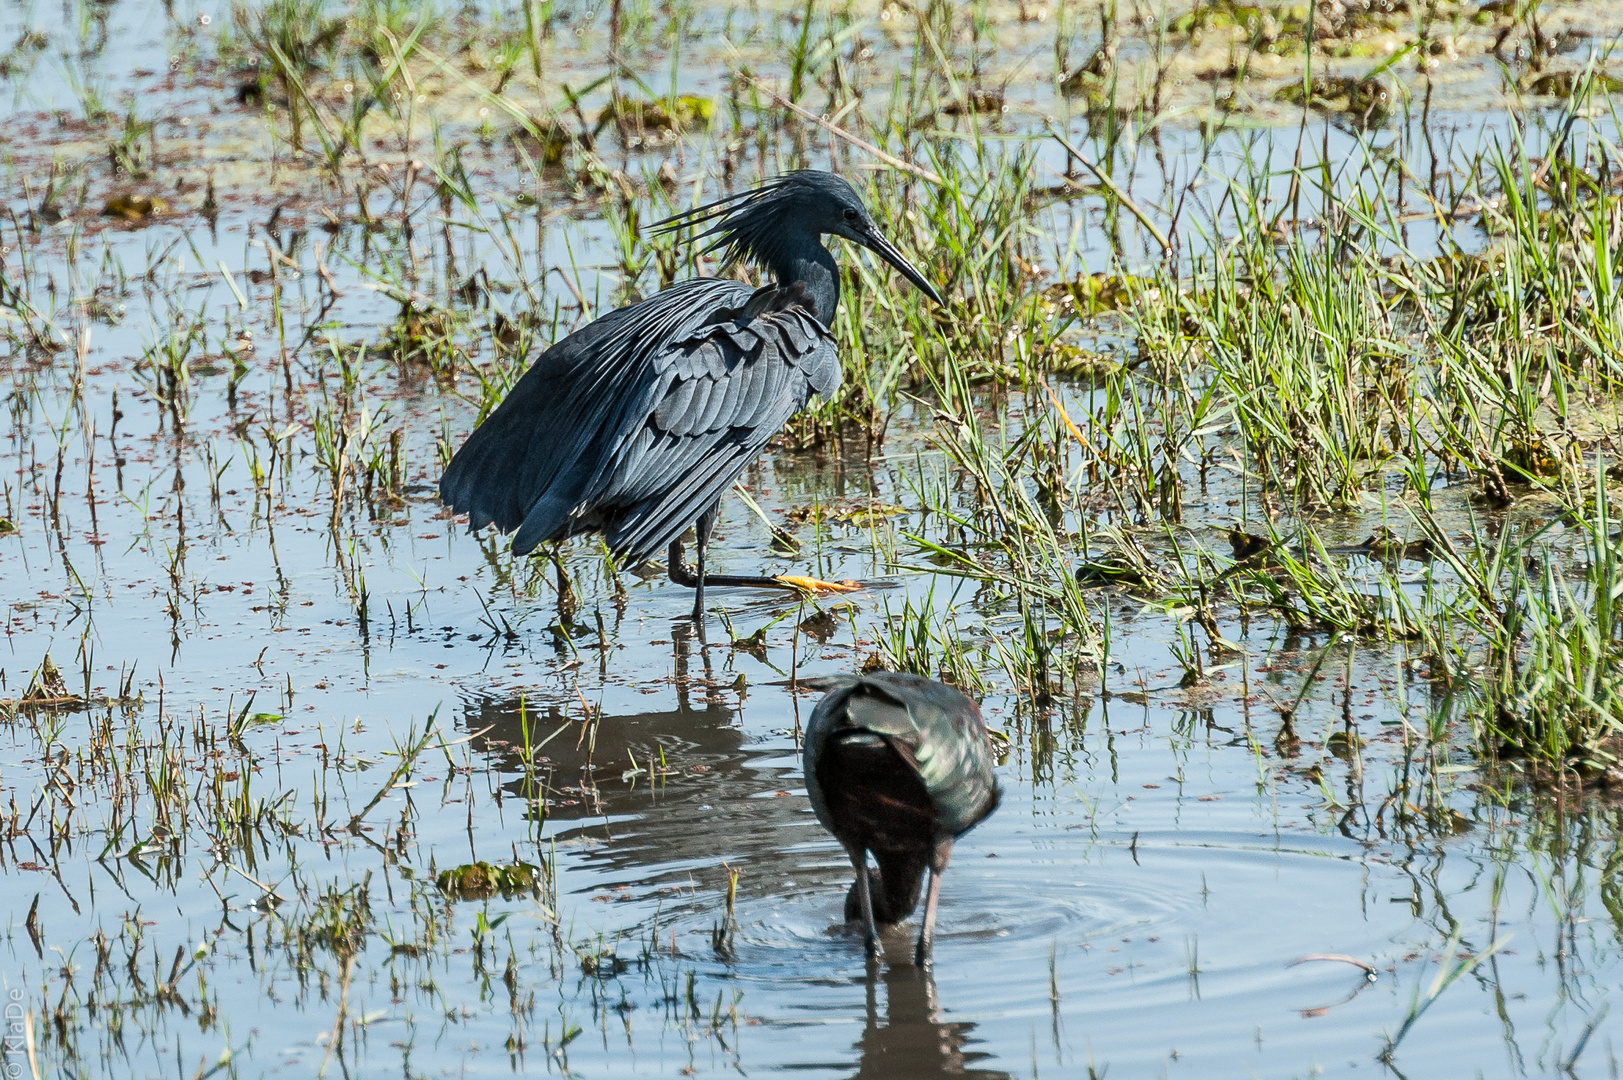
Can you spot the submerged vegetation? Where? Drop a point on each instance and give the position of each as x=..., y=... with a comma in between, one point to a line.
x=1274, y=410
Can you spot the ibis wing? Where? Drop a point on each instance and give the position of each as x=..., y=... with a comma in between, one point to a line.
x=940, y=733
x=827, y=720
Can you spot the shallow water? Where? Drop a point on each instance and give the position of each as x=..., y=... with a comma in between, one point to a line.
x=1164, y=889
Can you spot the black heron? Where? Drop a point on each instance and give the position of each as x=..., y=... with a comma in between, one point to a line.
x=900, y=766
x=636, y=425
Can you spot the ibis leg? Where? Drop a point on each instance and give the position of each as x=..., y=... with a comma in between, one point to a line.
x=921, y=955
x=870, y=931
x=938, y=865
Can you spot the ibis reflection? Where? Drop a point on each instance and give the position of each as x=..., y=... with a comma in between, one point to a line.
x=911, y=1041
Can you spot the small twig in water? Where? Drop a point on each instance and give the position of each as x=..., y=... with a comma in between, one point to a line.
x=1111, y=186
x=1369, y=972
x=928, y=175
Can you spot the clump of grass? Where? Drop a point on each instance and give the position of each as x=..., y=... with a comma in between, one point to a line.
x=1307, y=357
x=926, y=642
x=1551, y=692
x=285, y=42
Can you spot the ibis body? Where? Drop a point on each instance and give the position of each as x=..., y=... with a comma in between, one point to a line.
x=898, y=766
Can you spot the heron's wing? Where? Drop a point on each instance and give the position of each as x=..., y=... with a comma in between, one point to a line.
x=941, y=733
x=723, y=393
x=544, y=444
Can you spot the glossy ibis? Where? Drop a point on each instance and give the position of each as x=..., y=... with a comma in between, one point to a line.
x=900, y=766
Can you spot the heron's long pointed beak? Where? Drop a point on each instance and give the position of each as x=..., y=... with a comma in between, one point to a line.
x=887, y=251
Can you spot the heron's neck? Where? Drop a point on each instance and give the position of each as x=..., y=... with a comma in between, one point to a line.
x=810, y=263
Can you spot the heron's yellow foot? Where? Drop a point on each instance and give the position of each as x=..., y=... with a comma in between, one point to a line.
x=816, y=585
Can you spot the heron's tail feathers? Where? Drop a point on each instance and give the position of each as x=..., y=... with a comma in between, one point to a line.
x=544, y=520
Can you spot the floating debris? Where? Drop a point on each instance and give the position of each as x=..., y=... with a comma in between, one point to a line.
x=976, y=101
x=1247, y=545
x=685, y=112
x=1383, y=543
x=1109, y=570
x=551, y=140
x=1365, y=101
x=482, y=880
x=134, y=208
x=858, y=514
x=1564, y=84
x=604, y=965
x=47, y=691
x=1093, y=293
x=1093, y=74
x=1072, y=360
x=1344, y=744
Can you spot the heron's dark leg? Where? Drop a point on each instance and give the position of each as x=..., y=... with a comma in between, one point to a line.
x=938, y=865
x=678, y=566
x=870, y=931
x=682, y=649
x=688, y=579
x=702, y=527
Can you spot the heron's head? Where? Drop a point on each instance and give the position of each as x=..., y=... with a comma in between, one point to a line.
x=766, y=223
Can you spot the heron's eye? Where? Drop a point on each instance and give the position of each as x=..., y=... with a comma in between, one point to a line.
x=851, y=214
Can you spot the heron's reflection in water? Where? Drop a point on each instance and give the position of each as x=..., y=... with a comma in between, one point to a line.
x=654, y=797
x=911, y=1041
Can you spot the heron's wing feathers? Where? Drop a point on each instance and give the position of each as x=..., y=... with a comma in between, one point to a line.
x=533, y=460
x=723, y=393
